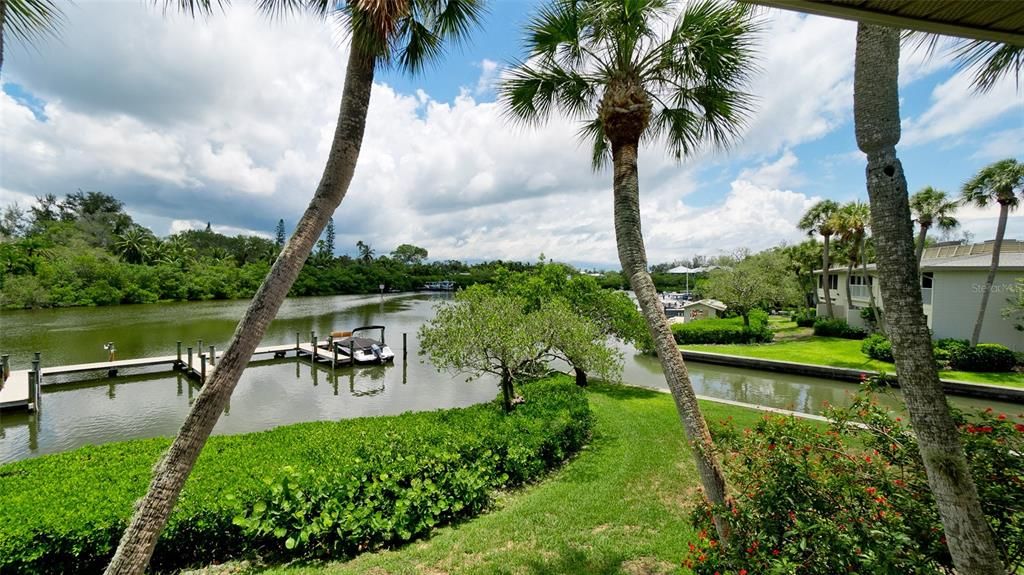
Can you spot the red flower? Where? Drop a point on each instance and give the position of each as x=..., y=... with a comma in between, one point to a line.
x=863, y=376
x=872, y=490
x=1001, y=417
x=743, y=572
x=775, y=552
x=1019, y=427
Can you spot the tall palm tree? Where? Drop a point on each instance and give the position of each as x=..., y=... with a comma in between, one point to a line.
x=133, y=244
x=999, y=182
x=403, y=33
x=876, y=110
x=607, y=63
x=854, y=219
x=27, y=20
x=820, y=219
x=932, y=207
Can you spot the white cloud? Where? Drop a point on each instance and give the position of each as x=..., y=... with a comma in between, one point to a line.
x=229, y=120
x=956, y=110
x=178, y=226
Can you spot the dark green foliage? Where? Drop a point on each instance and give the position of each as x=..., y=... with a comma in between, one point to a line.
x=814, y=502
x=804, y=317
x=877, y=346
x=730, y=330
x=837, y=328
x=352, y=485
x=982, y=357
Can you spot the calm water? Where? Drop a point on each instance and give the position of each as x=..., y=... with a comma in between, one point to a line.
x=279, y=392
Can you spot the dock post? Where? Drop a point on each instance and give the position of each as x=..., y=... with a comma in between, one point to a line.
x=296, y=344
x=405, y=345
x=190, y=358
x=334, y=350
x=213, y=355
x=352, y=352
x=312, y=340
x=202, y=367
x=34, y=383
x=32, y=389
x=179, y=354
x=199, y=347
x=5, y=368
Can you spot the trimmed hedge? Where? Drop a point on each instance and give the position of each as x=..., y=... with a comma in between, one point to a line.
x=804, y=317
x=877, y=346
x=389, y=479
x=982, y=357
x=838, y=328
x=730, y=330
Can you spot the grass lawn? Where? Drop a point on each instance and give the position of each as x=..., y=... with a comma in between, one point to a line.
x=621, y=506
x=838, y=352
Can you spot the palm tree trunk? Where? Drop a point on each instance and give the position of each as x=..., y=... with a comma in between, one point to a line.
x=849, y=296
x=920, y=244
x=151, y=513
x=1004, y=209
x=879, y=322
x=633, y=257
x=825, y=276
x=877, y=124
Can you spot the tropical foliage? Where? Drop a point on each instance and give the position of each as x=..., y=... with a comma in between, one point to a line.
x=342, y=486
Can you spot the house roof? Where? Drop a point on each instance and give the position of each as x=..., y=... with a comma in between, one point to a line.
x=686, y=270
x=712, y=303
x=1000, y=21
x=963, y=257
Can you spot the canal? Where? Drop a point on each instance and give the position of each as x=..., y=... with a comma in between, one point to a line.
x=284, y=391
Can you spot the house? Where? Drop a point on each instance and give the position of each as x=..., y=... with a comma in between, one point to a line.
x=953, y=277
x=702, y=309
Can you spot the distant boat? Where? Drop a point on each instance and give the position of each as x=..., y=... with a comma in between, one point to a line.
x=364, y=350
x=443, y=285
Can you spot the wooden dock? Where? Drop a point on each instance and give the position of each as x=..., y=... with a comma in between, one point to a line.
x=19, y=392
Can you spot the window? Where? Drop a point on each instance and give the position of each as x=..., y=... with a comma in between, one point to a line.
x=860, y=281
x=926, y=280
x=833, y=281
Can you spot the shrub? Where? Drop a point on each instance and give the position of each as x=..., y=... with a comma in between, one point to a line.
x=877, y=346
x=718, y=331
x=945, y=348
x=982, y=357
x=816, y=503
x=837, y=328
x=341, y=486
x=804, y=317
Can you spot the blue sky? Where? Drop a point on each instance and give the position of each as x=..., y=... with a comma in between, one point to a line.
x=227, y=120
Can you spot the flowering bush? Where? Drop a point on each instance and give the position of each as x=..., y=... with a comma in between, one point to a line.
x=854, y=498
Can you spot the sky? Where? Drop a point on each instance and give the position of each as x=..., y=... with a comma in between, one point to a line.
x=228, y=120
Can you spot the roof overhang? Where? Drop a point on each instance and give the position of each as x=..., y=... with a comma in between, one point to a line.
x=975, y=19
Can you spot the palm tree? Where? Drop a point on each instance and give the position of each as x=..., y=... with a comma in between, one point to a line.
x=932, y=208
x=27, y=20
x=854, y=219
x=876, y=110
x=820, y=219
x=404, y=33
x=605, y=62
x=999, y=182
x=133, y=244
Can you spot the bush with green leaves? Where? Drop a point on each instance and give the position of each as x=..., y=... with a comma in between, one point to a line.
x=308, y=489
x=854, y=498
x=835, y=327
x=724, y=330
x=982, y=357
x=804, y=317
x=877, y=346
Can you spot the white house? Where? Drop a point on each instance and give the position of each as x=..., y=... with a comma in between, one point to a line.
x=702, y=309
x=952, y=281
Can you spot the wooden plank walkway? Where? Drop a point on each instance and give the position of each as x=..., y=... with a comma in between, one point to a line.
x=14, y=393
x=323, y=355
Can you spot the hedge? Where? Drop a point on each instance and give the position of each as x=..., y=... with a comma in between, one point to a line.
x=389, y=479
x=804, y=317
x=838, y=328
x=877, y=346
x=982, y=357
x=728, y=330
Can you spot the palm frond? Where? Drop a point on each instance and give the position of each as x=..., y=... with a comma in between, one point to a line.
x=989, y=61
x=601, y=153
x=532, y=91
x=30, y=20
x=283, y=8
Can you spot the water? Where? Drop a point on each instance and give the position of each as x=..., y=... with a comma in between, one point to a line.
x=280, y=392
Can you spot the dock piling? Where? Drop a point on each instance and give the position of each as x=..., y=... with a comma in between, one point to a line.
x=312, y=338
x=5, y=367
x=405, y=345
x=202, y=367
x=352, y=352
x=179, y=353
x=334, y=350
x=296, y=344
x=213, y=356
x=190, y=358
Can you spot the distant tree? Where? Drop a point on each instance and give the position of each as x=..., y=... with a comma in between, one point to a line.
x=279, y=234
x=820, y=219
x=365, y=252
x=13, y=222
x=409, y=254
x=1015, y=310
x=46, y=209
x=329, y=237
x=761, y=281
x=134, y=244
x=208, y=229
x=28, y=20
x=803, y=259
x=483, y=332
x=1000, y=182
x=932, y=207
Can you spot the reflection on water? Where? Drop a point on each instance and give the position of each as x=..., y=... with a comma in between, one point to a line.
x=283, y=391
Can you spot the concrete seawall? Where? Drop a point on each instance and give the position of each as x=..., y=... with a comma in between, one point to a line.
x=979, y=390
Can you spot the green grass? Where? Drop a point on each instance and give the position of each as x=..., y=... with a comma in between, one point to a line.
x=621, y=506
x=838, y=352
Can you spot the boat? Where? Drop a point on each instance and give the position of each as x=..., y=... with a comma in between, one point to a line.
x=364, y=349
